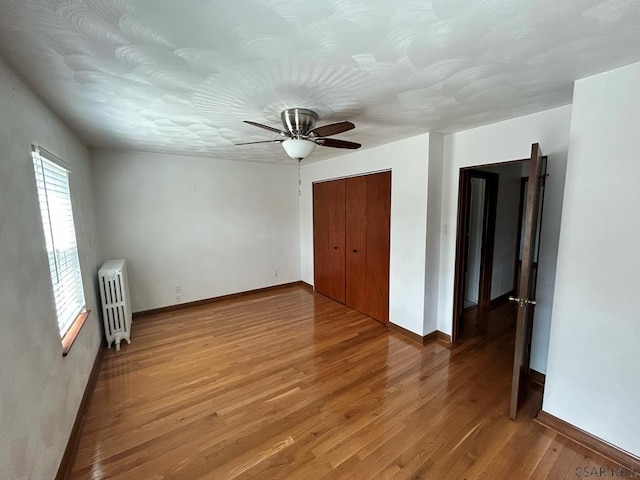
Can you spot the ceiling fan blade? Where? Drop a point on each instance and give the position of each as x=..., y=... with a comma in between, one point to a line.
x=332, y=129
x=262, y=141
x=266, y=127
x=335, y=143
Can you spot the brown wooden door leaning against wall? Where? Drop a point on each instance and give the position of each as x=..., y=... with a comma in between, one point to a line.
x=329, y=238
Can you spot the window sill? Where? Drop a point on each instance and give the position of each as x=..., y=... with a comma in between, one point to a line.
x=72, y=334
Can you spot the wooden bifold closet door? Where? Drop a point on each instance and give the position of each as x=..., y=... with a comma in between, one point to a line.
x=329, y=239
x=351, y=234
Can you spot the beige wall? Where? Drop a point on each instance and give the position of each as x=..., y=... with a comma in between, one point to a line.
x=40, y=391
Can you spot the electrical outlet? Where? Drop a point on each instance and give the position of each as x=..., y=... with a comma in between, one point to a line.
x=178, y=289
x=178, y=298
x=275, y=273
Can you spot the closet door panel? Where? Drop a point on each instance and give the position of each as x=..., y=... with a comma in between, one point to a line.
x=378, y=245
x=356, y=243
x=329, y=238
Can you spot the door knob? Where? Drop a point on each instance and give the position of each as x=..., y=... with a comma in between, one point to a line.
x=522, y=301
x=355, y=251
x=335, y=248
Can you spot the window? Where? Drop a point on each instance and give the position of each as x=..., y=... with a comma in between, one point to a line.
x=52, y=180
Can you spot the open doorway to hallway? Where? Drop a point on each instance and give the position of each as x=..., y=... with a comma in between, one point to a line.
x=490, y=228
x=491, y=211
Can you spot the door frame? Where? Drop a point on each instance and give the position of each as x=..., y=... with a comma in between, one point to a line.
x=462, y=245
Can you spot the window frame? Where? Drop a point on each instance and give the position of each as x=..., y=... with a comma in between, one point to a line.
x=68, y=329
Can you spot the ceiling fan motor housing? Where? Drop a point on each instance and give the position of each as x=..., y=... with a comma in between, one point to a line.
x=299, y=121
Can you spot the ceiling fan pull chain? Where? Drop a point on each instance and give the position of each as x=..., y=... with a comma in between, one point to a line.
x=299, y=181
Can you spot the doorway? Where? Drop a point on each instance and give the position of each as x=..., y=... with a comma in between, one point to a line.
x=488, y=236
x=500, y=254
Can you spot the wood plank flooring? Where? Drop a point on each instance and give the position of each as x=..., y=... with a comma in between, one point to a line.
x=291, y=385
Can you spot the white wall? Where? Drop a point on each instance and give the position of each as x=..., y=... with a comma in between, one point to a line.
x=40, y=391
x=593, y=372
x=434, y=210
x=214, y=227
x=504, y=250
x=500, y=142
x=408, y=161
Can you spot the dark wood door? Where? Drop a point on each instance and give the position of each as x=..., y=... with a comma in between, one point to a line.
x=525, y=299
x=356, y=243
x=378, y=224
x=329, y=238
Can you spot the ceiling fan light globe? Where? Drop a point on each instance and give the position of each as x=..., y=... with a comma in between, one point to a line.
x=298, y=148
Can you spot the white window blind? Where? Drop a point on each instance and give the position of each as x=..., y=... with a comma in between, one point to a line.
x=52, y=180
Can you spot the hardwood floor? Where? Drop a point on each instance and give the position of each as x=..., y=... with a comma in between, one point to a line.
x=291, y=385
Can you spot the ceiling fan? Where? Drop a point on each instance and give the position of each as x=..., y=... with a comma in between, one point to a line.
x=300, y=136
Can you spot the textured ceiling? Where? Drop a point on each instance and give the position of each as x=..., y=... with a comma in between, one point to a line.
x=181, y=75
